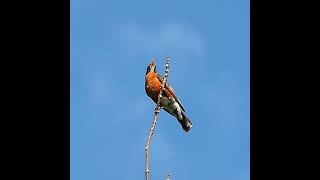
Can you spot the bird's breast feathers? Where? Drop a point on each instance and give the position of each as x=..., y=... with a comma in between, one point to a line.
x=152, y=82
x=152, y=85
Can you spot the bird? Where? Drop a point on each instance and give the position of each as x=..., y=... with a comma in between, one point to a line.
x=169, y=101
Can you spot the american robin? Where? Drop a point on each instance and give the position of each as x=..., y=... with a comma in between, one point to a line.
x=169, y=101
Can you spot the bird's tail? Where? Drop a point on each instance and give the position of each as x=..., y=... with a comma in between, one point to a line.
x=185, y=122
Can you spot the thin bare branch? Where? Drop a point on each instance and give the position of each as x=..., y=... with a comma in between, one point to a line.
x=156, y=112
x=168, y=177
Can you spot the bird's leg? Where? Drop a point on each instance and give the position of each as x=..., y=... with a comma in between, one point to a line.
x=157, y=110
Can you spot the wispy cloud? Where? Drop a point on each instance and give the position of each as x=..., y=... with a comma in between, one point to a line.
x=105, y=93
x=174, y=39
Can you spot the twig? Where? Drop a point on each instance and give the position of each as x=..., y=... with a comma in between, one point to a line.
x=156, y=111
x=168, y=177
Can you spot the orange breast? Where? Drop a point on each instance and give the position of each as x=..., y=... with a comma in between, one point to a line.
x=152, y=86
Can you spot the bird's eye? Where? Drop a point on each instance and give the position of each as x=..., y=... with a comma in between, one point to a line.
x=155, y=69
x=148, y=70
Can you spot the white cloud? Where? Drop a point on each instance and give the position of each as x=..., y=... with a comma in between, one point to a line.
x=105, y=93
x=173, y=39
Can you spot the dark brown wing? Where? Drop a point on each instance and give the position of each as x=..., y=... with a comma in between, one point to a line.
x=170, y=91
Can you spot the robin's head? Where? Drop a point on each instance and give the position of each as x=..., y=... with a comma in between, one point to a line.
x=152, y=67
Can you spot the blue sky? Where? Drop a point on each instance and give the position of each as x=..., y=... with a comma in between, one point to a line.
x=112, y=42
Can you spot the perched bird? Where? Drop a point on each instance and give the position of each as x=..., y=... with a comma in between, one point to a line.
x=169, y=101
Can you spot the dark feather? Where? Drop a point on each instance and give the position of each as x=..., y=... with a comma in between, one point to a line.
x=171, y=91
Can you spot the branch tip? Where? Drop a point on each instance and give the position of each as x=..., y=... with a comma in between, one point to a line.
x=156, y=111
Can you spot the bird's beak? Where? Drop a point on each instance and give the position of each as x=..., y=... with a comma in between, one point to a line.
x=153, y=63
